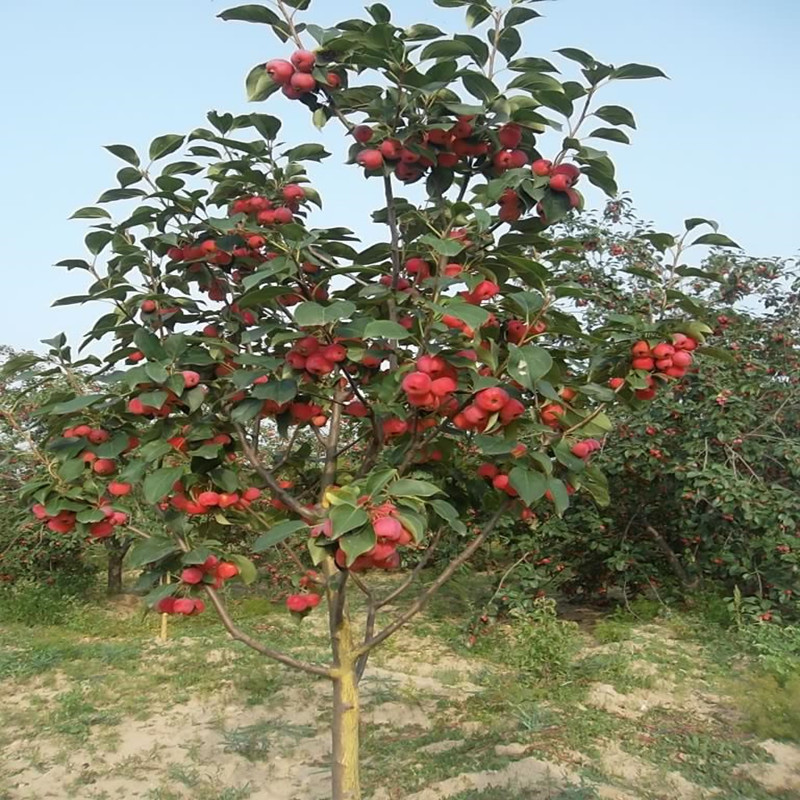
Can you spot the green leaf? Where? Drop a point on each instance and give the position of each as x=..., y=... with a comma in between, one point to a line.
x=446, y=49
x=563, y=453
x=416, y=524
x=277, y=534
x=77, y=404
x=636, y=72
x=357, y=544
x=509, y=42
x=445, y=247
x=518, y=15
x=449, y=514
x=477, y=14
x=195, y=556
x=409, y=487
x=611, y=134
x=280, y=391
x=248, y=574
x=716, y=240
x=307, y=152
x=530, y=485
x=149, y=344
x=597, y=485
x=153, y=549
x=162, y=146
x=558, y=490
x=156, y=372
x=248, y=409
x=317, y=551
x=312, y=314
x=422, y=32
x=479, y=86
x=159, y=593
x=250, y=13
x=574, y=54
x=717, y=353
x=528, y=364
x=379, y=12
x=72, y=469
x=474, y=316
x=91, y=212
x=346, y=518
x=158, y=484
x=693, y=222
x=96, y=241
x=259, y=85
x=385, y=329
x=113, y=195
x=125, y=152
x=616, y=115
x=493, y=445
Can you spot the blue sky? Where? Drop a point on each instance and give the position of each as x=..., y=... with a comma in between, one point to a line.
x=717, y=140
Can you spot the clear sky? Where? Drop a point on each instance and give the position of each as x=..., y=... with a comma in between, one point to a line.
x=718, y=140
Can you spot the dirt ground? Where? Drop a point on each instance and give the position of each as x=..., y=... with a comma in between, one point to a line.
x=644, y=718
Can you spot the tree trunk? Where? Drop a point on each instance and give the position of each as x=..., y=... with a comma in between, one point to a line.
x=346, y=716
x=116, y=556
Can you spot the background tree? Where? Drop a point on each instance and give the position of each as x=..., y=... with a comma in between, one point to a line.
x=230, y=313
x=705, y=479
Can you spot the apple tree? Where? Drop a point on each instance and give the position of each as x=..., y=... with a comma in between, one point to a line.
x=232, y=318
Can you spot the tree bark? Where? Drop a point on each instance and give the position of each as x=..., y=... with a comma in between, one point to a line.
x=116, y=557
x=346, y=778
x=688, y=584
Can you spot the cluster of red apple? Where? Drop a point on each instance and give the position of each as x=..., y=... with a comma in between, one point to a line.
x=498, y=479
x=494, y=402
x=585, y=448
x=518, y=331
x=268, y=211
x=188, y=606
x=448, y=146
x=66, y=521
x=389, y=533
x=197, y=502
x=212, y=572
x=294, y=76
x=669, y=359
x=432, y=384
x=315, y=357
x=301, y=604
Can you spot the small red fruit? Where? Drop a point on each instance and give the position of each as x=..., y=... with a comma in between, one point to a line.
x=542, y=167
x=370, y=159
x=192, y=575
x=363, y=133
x=303, y=60
x=104, y=466
x=280, y=70
x=190, y=378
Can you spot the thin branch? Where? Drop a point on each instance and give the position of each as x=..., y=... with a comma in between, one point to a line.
x=332, y=444
x=287, y=499
x=445, y=576
x=674, y=561
x=391, y=218
x=240, y=636
x=289, y=17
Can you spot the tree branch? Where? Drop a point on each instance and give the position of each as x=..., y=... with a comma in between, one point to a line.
x=287, y=499
x=445, y=576
x=332, y=444
x=673, y=560
x=240, y=636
